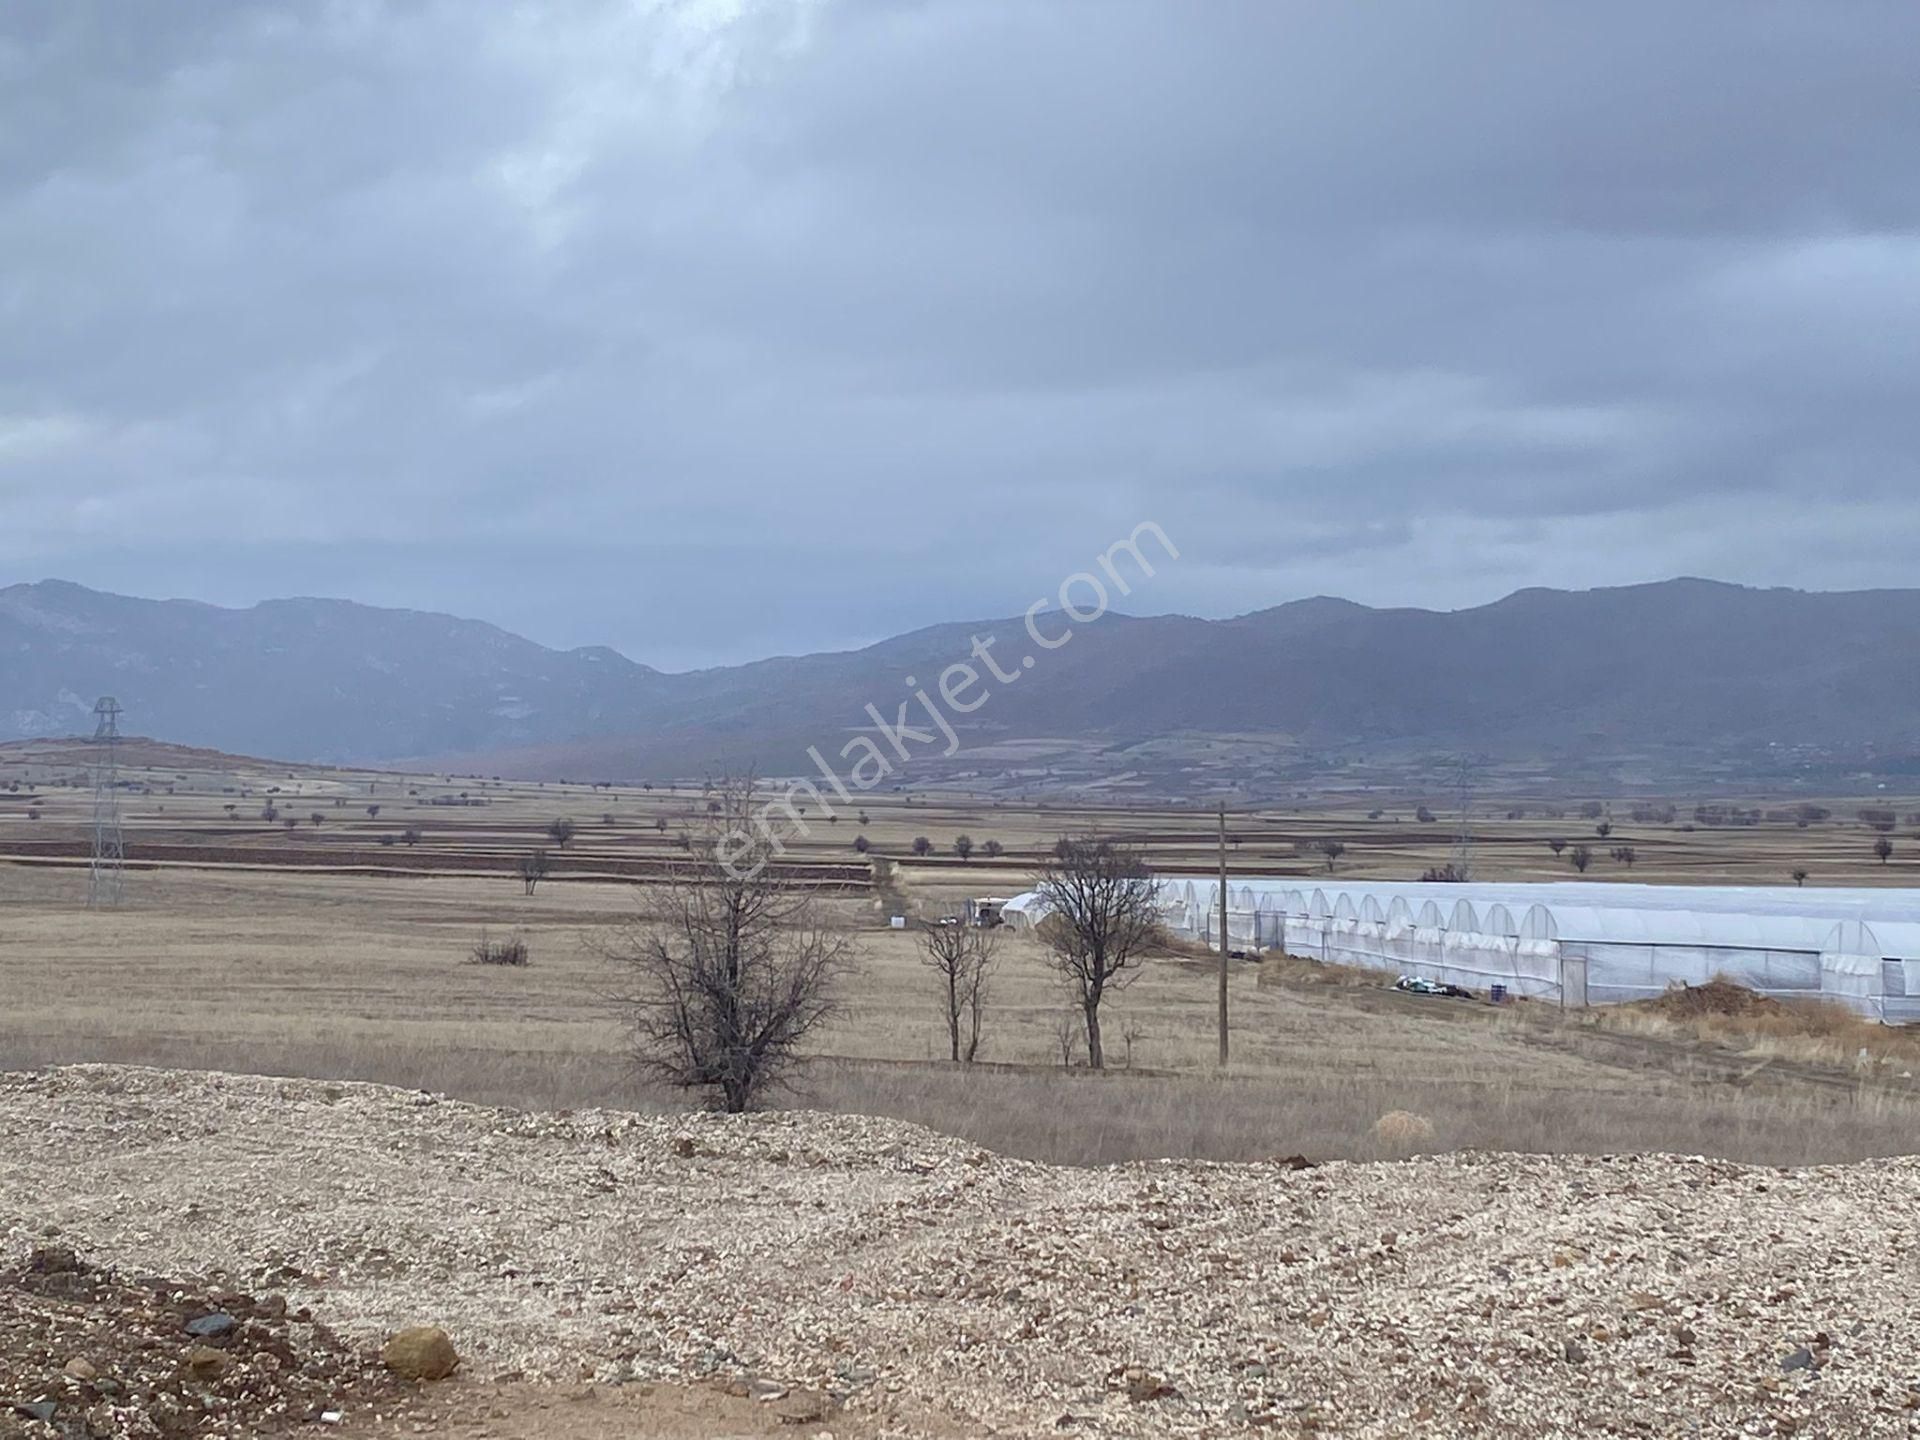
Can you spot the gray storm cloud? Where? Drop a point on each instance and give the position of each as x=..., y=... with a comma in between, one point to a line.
x=714, y=330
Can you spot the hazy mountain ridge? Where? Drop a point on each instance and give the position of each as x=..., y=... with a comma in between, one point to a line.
x=302, y=679
x=1688, y=668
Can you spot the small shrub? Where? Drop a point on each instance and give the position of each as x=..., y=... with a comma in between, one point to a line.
x=1402, y=1130
x=488, y=951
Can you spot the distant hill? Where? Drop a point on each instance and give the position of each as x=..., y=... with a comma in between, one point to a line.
x=320, y=680
x=1679, y=676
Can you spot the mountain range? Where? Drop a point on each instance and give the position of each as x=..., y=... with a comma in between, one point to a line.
x=1685, y=676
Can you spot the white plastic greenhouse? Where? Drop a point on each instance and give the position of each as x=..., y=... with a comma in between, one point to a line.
x=1577, y=943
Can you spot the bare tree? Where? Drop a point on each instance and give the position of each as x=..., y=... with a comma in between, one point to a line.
x=1883, y=847
x=1582, y=857
x=1557, y=846
x=560, y=832
x=533, y=869
x=993, y=849
x=922, y=845
x=1625, y=854
x=727, y=969
x=1801, y=875
x=1102, y=922
x=1332, y=850
x=1065, y=1035
x=962, y=956
x=963, y=846
x=373, y=812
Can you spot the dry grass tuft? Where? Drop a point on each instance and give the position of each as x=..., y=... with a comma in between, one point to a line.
x=1402, y=1130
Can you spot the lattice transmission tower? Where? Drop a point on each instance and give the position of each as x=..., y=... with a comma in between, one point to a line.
x=1461, y=860
x=105, y=871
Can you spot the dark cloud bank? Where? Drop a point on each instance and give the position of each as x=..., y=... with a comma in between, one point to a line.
x=714, y=330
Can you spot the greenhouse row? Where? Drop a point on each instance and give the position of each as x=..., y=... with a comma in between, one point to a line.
x=1578, y=944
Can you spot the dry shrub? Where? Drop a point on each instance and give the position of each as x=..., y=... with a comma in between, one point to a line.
x=1277, y=969
x=511, y=951
x=1402, y=1130
x=1178, y=947
x=1050, y=929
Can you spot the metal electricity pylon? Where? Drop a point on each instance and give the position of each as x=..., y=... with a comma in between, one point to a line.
x=106, y=867
x=1461, y=861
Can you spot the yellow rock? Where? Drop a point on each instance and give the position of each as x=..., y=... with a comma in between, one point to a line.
x=421, y=1352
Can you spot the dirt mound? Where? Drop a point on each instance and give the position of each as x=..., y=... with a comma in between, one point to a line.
x=1719, y=997
x=85, y=1351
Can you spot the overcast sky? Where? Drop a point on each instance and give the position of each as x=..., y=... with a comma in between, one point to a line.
x=717, y=329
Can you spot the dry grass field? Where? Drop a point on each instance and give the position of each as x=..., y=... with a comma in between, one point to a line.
x=340, y=949
x=196, y=807
x=338, y=946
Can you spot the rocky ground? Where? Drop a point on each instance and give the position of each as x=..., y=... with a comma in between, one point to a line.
x=605, y=1273
x=86, y=1351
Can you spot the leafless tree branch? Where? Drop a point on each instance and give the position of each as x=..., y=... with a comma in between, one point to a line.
x=727, y=972
x=1104, y=921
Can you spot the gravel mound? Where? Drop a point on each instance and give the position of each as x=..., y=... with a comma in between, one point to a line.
x=927, y=1286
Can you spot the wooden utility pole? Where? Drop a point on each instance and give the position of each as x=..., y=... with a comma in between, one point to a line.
x=1223, y=933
